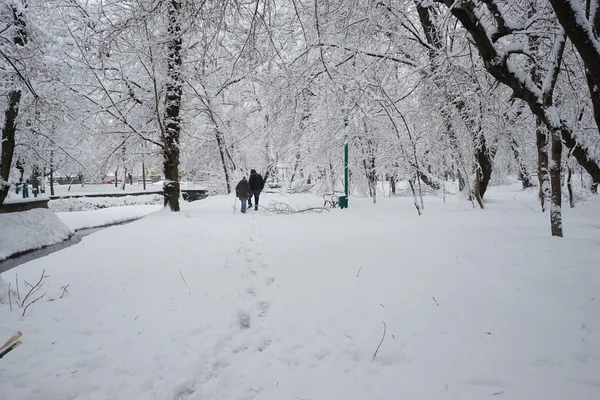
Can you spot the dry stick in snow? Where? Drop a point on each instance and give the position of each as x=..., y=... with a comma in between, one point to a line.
x=383, y=337
x=64, y=288
x=182, y=278
x=360, y=269
x=30, y=303
x=433, y=297
x=9, y=299
x=34, y=289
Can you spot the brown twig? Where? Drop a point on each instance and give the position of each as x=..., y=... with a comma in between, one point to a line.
x=182, y=278
x=9, y=299
x=380, y=343
x=27, y=306
x=360, y=269
x=34, y=289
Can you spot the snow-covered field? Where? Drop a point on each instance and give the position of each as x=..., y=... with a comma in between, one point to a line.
x=208, y=304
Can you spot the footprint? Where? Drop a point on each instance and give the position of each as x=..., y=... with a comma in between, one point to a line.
x=264, y=307
x=250, y=290
x=264, y=345
x=270, y=280
x=244, y=319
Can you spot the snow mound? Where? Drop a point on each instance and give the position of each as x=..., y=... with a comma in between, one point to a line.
x=95, y=203
x=29, y=230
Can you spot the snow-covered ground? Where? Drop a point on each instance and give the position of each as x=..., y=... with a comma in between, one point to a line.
x=208, y=304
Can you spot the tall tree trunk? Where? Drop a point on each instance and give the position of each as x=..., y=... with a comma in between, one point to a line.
x=393, y=184
x=8, y=140
x=594, y=187
x=543, y=177
x=173, y=107
x=11, y=112
x=483, y=157
x=221, y=144
x=555, y=207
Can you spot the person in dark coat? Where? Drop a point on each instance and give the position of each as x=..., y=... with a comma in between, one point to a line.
x=242, y=191
x=257, y=184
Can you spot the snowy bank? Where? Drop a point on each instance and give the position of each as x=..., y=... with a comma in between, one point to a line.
x=210, y=304
x=94, y=218
x=95, y=203
x=29, y=230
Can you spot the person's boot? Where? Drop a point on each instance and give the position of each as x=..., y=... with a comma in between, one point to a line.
x=256, y=207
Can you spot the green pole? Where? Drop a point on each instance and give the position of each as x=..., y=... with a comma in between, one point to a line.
x=346, y=168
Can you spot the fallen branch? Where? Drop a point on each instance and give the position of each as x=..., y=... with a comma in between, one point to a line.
x=380, y=343
x=283, y=208
x=360, y=269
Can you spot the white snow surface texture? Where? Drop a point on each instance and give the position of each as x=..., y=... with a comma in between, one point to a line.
x=208, y=304
x=28, y=230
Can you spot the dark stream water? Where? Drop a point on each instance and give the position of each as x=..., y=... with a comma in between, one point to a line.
x=15, y=261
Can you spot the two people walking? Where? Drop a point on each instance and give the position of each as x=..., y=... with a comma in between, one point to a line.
x=246, y=189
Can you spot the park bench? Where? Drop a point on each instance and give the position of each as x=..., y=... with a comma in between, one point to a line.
x=332, y=199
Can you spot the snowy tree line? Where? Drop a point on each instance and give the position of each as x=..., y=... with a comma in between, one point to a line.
x=422, y=91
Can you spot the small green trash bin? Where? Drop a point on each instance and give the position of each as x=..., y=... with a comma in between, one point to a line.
x=343, y=201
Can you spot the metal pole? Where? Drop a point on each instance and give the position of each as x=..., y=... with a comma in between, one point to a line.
x=346, y=168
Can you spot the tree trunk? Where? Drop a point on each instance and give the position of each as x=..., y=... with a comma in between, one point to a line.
x=8, y=141
x=594, y=187
x=117, y=177
x=523, y=173
x=143, y=174
x=221, y=144
x=570, y=186
x=543, y=178
x=556, y=199
x=173, y=106
x=484, y=160
x=393, y=184
x=478, y=181
x=52, y=172
x=416, y=202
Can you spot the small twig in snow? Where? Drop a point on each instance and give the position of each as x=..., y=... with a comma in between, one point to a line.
x=9, y=299
x=18, y=293
x=380, y=343
x=64, y=288
x=433, y=297
x=360, y=269
x=497, y=393
x=348, y=336
x=27, y=306
x=182, y=278
x=35, y=288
